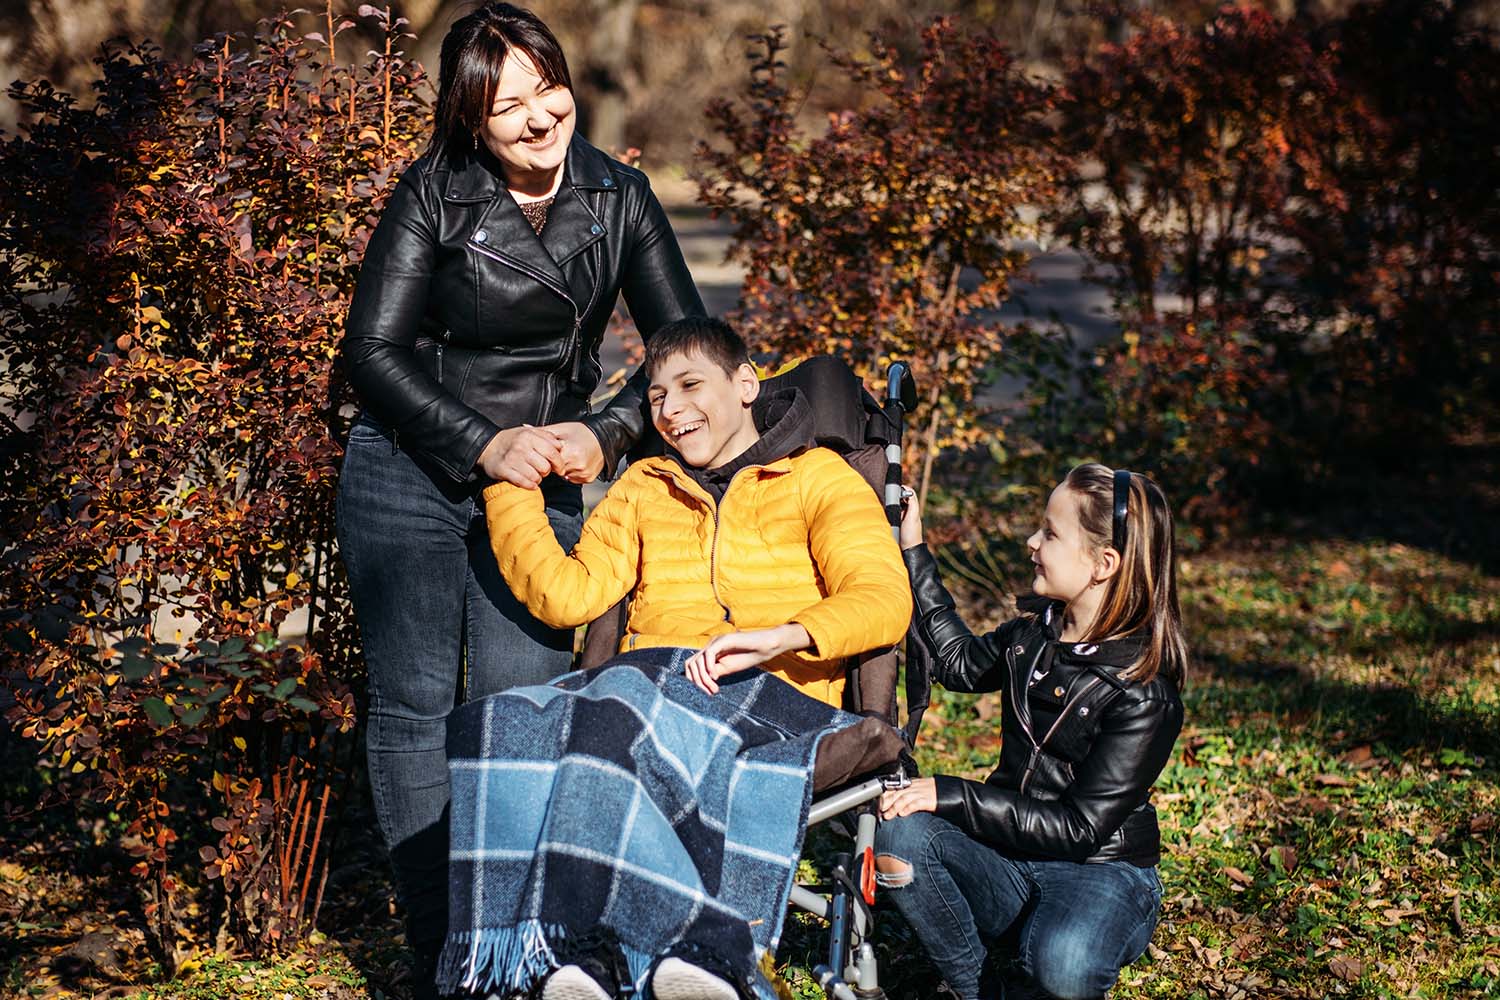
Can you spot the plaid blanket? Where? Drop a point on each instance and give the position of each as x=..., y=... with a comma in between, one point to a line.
x=625, y=799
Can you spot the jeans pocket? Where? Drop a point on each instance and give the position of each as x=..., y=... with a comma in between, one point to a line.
x=367, y=428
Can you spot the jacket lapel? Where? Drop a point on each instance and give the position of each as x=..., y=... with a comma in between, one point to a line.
x=572, y=226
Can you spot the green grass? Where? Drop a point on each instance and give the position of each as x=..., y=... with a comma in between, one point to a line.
x=1330, y=817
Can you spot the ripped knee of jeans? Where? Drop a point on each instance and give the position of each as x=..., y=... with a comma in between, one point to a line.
x=892, y=872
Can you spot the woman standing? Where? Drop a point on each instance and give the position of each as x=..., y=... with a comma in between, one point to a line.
x=473, y=345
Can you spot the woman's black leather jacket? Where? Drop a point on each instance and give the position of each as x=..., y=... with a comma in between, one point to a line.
x=465, y=322
x=1080, y=747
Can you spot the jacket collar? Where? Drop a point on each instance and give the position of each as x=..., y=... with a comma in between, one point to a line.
x=572, y=225
x=668, y=468
x=1107, y=657
x=477, y=177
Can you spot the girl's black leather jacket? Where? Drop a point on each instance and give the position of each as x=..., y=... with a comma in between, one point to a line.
x=465, y=322
x=1080, y=748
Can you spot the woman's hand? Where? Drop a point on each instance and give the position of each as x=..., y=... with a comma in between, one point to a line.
x=582, y=459
x=911, y=523
x=917, y=797
x=728, y=654
x=521, y=455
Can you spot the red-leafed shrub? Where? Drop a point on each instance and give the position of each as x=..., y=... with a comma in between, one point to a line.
x=1396, y=227
x=1184, y=142
x=175, y=264
x=892, y=235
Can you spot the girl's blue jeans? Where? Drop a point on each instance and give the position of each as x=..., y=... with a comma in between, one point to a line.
x=438, y=624
x=1075, y=925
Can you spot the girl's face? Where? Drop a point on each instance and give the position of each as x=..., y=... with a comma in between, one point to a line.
x=1065, y=560
x=531, y=121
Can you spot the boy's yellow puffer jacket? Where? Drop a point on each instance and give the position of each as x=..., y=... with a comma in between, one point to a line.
x=801, y=539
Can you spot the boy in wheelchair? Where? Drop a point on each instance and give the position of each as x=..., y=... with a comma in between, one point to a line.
x=744, y=538
x=746, y=542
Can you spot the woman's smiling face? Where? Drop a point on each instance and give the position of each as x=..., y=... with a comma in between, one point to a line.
x=531, y=122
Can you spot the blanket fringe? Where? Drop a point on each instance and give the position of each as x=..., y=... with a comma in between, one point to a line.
x=513, y=959
x=496, y=959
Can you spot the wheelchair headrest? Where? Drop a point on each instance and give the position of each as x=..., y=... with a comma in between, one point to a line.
x=845, y=416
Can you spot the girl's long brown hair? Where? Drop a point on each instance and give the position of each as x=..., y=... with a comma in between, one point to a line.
x=1142, y=595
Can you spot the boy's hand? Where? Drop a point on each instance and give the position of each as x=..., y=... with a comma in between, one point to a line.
x=919, y=796
x=911, y=521
x=521, y=455
x=729, y=654
x=581, y=459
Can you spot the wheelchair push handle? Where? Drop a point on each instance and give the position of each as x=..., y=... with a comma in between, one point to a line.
x=900, y=399
x=901, y=387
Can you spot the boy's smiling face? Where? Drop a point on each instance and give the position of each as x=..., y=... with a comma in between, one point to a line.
x=703, y=411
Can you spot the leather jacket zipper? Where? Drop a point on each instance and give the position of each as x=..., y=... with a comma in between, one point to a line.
x=549, y=386
x=574, y=348
x=1037, y=748
x=544, y=412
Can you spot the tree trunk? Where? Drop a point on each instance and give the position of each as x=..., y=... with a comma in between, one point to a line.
x=602, y=77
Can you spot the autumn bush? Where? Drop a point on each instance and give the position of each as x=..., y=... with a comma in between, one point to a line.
x=1314, y=193
x=175, y=263
x=892, y=235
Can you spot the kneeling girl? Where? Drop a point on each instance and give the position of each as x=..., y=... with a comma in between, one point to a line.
x=1057, y=850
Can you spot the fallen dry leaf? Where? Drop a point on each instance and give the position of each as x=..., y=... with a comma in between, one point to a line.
x=1235, y=875
x=1346, y=968
x=1333, y=780
x=1361, y=756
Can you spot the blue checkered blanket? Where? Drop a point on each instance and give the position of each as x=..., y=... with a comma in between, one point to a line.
x=625, y=799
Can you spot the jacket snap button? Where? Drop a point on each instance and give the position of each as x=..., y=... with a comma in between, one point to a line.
x=1057, y=692
x=595, y=229
x=1019, y=650
x=608, y=182
x=1084, y=710
x=481, y=236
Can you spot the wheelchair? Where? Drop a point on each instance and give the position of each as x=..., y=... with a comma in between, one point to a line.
x=856, y=765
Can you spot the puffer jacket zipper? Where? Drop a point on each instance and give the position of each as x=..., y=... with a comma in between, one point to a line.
x=713, y=550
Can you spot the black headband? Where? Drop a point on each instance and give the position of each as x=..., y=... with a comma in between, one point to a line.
x=1122, y=508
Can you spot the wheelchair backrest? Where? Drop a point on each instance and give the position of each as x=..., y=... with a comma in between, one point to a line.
x=848, y=420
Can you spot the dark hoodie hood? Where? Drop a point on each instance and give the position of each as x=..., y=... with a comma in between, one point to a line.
x=785, y=422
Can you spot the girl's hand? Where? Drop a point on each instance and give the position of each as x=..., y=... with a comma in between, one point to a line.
x=729, y=654
x=911, y=523
x=919, y=796
x=581, y=457
x=521, y=455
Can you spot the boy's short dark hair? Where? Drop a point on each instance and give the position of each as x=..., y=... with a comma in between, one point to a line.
x=713, y=338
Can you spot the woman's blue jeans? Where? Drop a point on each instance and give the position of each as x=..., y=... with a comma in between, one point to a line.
x=1074, y=925
x=438, y=624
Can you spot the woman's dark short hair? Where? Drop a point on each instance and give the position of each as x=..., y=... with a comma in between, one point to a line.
x=712, y=338
x=469, y=70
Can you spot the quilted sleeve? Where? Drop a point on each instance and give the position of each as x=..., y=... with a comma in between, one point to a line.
x=869, y=601
x=563, y=589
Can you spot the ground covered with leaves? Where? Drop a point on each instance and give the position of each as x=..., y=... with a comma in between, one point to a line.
x=1330, y=817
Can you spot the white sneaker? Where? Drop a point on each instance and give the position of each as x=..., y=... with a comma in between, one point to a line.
x=675, y=979
x=572, y=983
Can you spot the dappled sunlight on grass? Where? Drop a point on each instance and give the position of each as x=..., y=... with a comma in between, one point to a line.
x=1330, y=816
